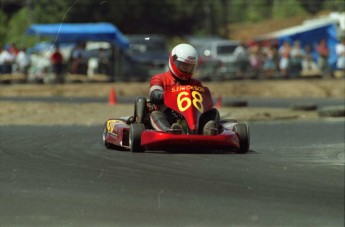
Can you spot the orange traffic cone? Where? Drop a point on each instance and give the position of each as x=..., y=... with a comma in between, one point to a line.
x=112, y=100
x=219, y=102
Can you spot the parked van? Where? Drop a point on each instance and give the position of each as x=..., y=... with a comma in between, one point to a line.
x=216, y=48
x=146, y=56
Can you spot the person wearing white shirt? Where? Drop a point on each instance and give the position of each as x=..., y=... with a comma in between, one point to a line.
x=6, y=61
x=23, y=62
x=340, y=51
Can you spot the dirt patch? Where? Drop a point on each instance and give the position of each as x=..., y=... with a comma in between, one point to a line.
x=332, y=88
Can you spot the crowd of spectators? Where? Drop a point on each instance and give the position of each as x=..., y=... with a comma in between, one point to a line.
x=290, y=60
x=253, y=60
x=13, y=59
x=53, y=63
x=77, y=63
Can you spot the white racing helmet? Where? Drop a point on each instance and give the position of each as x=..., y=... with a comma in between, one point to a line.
x=183, y=60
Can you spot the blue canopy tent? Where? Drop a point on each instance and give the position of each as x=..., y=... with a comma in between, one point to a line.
x=65, y=32
x=76, y=32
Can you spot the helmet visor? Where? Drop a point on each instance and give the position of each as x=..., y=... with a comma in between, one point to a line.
x=185, y=67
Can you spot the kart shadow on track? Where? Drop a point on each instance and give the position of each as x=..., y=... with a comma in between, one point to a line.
x=189, y=151
x=201, y=152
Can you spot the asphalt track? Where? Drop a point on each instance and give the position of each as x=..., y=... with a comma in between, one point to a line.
x=64, y=176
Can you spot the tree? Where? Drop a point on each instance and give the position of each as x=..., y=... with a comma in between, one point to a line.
x=3, y=19
x=169, y=17
x=334, y=5
x=17, y=25
x=312, y=6
x=286, y=8
x=44, y=11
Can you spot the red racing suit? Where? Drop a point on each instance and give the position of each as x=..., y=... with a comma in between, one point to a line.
x=161, y=82
x=162, y=119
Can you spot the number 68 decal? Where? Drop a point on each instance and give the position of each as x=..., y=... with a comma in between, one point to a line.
x=184, y=103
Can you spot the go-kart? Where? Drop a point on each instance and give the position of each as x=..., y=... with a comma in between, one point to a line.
x=188, y=103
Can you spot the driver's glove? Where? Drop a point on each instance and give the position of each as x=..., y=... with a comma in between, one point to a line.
x=157, y=97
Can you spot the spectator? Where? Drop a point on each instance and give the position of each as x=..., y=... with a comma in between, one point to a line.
x=13, y=49
x=284, y=56
x=296, y=57
x=271, y=58
x=103, y=61
x=309, y=66
x=340, y=51
x=256, y=60
x=323, y=52
x=6, y=61
x=57, y=63
x=79, y=59
x=1, y=69
x=23, y=62
x=241, y=55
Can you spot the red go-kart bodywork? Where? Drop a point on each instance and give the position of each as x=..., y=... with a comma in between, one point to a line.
x=189, y=102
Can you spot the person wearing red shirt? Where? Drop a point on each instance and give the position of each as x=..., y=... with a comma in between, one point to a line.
x=183, y=60
x=57, y=62
x=323, y=51
x=13, y=49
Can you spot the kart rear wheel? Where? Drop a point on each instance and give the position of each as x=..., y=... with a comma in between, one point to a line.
x=135, y=132
x=242, y=131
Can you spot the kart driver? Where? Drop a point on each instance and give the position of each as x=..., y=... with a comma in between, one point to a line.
x=183, y=60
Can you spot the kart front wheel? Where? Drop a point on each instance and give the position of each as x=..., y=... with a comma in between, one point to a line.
x=105, y=134
x=242, y=131
x=140, y=109
x=135, y=132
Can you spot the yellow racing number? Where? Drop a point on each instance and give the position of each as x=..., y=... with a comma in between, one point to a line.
x=183, y=102
x=197, y=101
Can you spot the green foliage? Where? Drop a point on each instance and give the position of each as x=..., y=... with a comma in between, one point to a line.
x=312, y=6
x=170, y=17
x=256, y=11
x=16, y=28
x=3, y=27
x=334, y=5
x=46, y=11
x=287, y=8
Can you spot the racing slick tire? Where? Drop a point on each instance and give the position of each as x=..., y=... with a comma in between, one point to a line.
x=242, y=131
x=135, y=132
x=140, y=109
x=106, y=144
